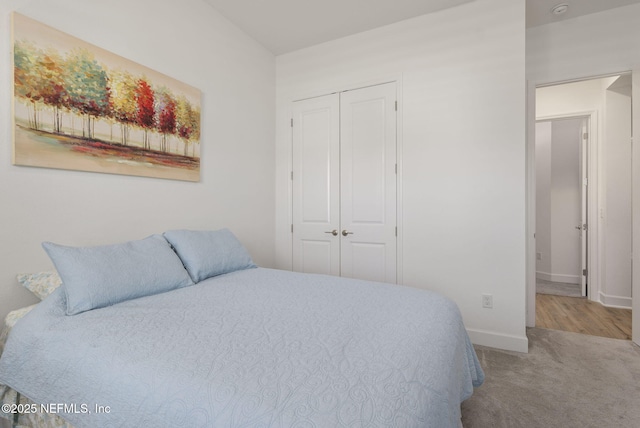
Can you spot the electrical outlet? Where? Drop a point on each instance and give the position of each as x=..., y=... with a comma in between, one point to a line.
x=487, y=301
x=538, y=256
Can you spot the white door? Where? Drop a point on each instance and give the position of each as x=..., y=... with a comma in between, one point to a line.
x=316, y=185
x=368, y=183
x=583, y=205
x=344, y=184
x=635, y=201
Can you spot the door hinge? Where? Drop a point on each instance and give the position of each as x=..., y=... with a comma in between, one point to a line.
x=292, y=175
x=584, y=272
x=292, y=122
x=292, y=228
x=585, y=135
x=396, y=230
x=396, y=106
x=396, y=168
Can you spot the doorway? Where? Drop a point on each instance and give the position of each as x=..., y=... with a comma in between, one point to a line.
x=561, y=201
x=606, y=102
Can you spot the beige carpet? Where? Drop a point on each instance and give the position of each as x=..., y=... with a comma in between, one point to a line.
x=566, y=380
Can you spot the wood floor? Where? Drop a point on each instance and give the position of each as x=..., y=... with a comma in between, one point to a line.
x=580, y=315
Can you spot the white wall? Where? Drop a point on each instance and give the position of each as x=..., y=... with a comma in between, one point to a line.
x=188, y=41
x=462, y=163
x=616, y=287
x=543, y=199
x=592, y=45
x=572, y=98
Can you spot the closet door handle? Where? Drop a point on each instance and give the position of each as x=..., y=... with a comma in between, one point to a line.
x=345, y=233
x=333, y=232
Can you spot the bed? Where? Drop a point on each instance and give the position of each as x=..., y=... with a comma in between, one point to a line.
x=249, y=347
x=10, y=397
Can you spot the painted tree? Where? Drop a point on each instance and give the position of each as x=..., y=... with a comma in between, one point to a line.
x=87, y=87
x=145, y=112
x=77, y=83
x=188, y=122
x=52, y=84
x=166, y=115
x=123, y=101
x=195, y=134
x=26, y=77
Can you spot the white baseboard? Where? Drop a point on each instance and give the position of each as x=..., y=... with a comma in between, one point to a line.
x=558, y=277
x=618, y=302
x=492, y=339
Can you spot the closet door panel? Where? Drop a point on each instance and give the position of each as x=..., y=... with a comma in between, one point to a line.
x=368, y=183
x=316, y=185
x=364, y=159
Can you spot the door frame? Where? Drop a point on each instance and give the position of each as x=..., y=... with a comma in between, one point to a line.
x=348, y=86
x=593, y=241
x=635, y=205
x=530, y=226
x=592, y=129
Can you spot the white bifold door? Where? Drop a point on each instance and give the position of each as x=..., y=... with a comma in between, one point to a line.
x=344, y=184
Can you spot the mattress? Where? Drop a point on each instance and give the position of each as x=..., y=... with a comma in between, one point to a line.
x=253, y=348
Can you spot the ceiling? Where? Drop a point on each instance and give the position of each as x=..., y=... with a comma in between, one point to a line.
x=287, y=25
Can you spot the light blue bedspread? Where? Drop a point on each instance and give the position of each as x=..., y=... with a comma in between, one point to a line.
x=254, y=348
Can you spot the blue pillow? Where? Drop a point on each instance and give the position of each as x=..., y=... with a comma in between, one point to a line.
x=209, y=253
x=95, y=277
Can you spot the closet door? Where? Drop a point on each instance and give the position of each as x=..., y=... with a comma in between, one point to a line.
x=368, y=183
x=316, y=185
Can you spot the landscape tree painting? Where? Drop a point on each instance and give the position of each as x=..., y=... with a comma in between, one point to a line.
x=80, y=107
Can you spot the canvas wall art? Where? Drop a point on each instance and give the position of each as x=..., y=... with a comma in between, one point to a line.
x=80, y=107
